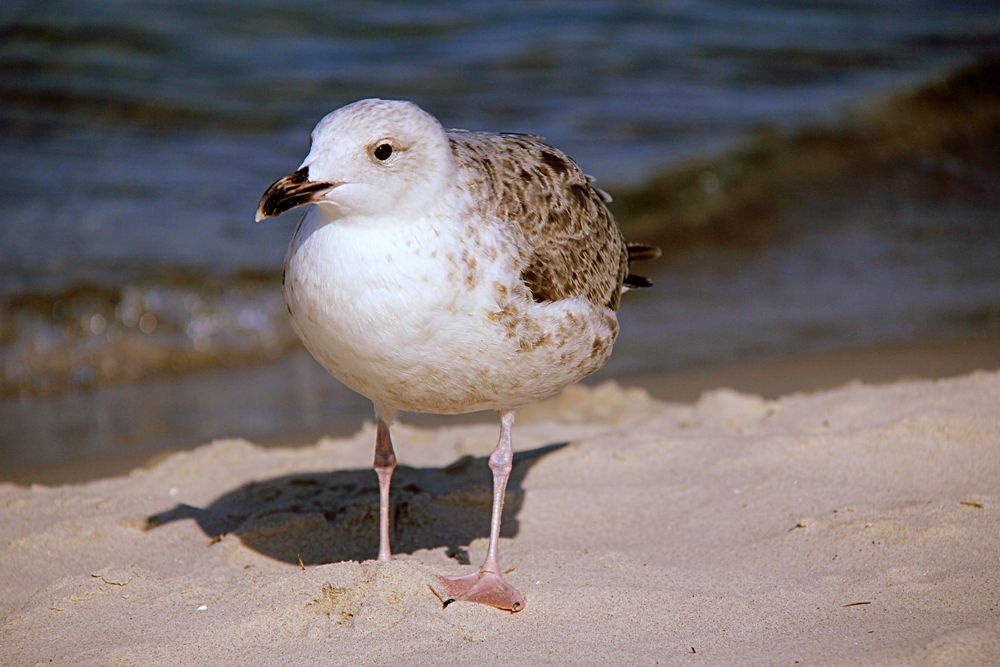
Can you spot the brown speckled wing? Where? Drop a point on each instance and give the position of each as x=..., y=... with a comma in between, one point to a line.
x=571, y=243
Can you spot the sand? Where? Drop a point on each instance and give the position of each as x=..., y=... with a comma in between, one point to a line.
x=859, y=525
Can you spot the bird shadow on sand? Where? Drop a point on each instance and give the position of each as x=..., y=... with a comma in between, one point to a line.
x=327, y=517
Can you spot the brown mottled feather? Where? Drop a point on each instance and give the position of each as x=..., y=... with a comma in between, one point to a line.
x=570, y=243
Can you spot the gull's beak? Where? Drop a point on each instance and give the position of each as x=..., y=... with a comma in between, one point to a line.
x=289, y=192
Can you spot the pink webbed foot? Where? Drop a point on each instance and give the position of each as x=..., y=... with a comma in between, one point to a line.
x=482, y=587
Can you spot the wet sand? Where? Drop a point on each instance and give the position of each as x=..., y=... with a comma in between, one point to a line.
x=293, y=402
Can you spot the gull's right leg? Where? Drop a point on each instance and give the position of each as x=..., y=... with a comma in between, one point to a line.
x=385, y=463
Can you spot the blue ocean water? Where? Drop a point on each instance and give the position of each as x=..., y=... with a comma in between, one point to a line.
x=138, y=135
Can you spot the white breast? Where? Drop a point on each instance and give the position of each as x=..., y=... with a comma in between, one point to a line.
x=422, y=315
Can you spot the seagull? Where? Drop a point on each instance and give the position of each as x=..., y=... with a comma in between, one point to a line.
x=446, y=272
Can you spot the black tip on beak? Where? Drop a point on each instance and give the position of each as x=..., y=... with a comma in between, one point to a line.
x=290, y=192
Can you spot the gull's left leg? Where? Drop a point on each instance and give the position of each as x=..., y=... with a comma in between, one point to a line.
x=487, y=586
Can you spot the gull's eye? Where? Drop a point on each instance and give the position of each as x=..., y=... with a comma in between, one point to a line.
x=383, y=151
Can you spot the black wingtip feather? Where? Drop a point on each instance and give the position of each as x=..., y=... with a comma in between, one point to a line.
x=637, y=282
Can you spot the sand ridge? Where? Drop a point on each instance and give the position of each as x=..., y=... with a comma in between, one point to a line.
x=852, y=526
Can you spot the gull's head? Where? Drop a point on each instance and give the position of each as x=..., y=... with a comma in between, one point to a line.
x=370, y=158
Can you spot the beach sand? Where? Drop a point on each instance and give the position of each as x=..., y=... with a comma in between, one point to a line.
x=853, y=525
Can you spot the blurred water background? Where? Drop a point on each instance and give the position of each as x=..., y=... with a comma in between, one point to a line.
x=819, y=174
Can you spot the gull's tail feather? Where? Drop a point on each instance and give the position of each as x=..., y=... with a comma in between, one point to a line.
x=639, y=252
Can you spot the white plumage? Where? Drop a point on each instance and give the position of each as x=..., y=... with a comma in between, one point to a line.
x=393, y=312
